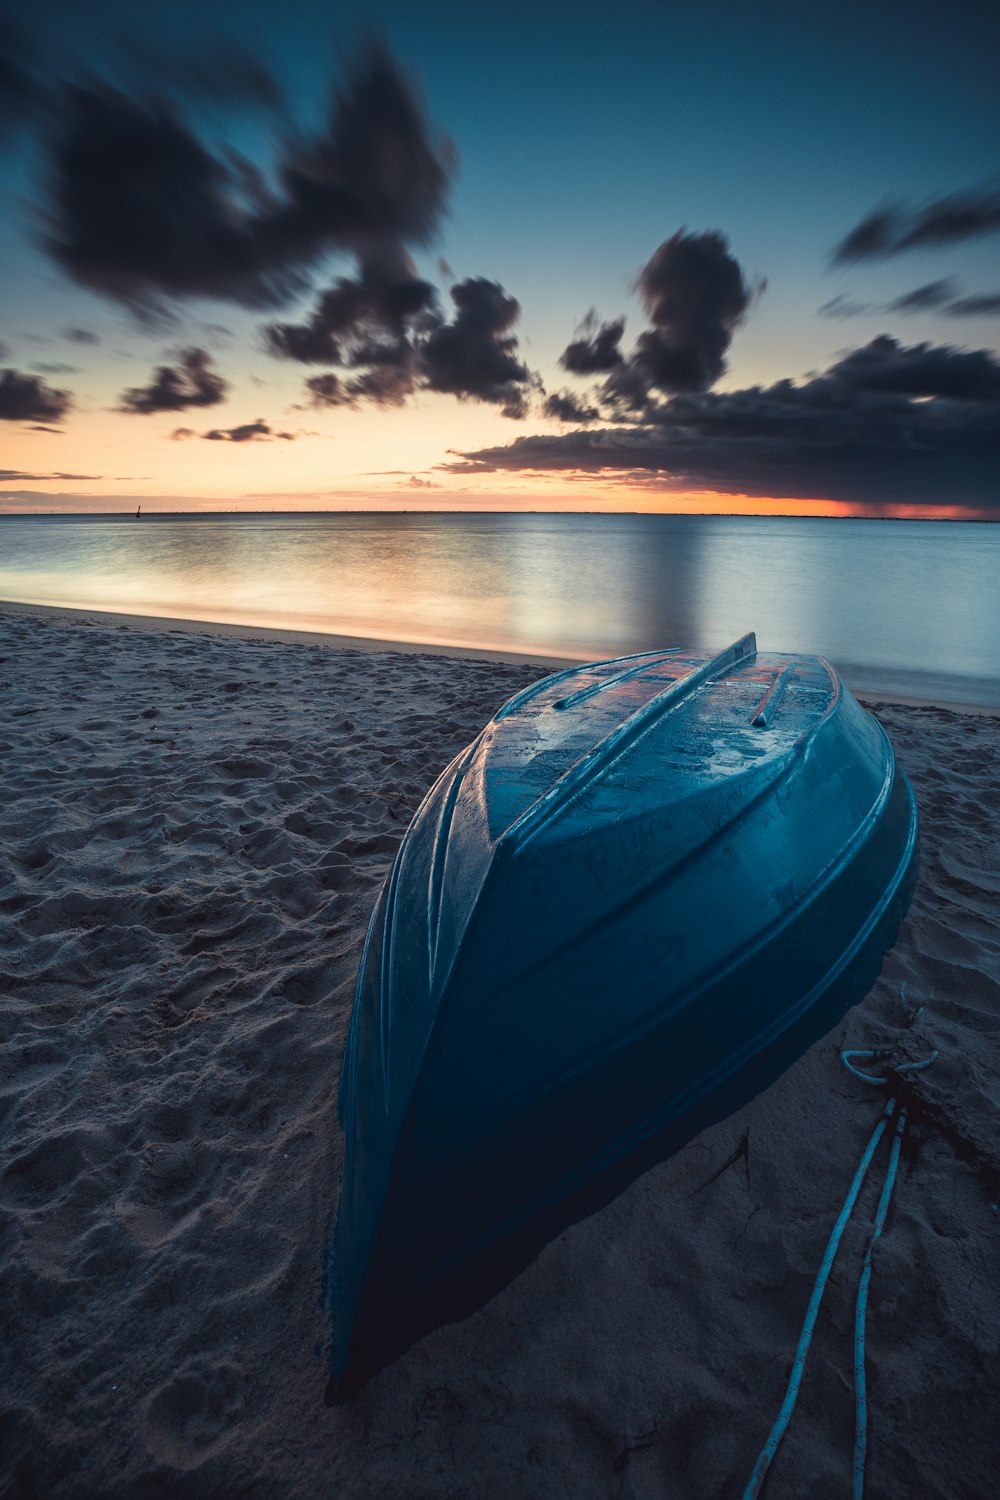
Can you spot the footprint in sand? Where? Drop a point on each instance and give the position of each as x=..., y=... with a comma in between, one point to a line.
x=195, y=1412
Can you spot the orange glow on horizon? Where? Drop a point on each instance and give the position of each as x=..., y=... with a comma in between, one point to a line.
x=377, y=460
x=547, y=496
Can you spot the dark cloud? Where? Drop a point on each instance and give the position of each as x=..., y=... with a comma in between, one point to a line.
x=475, y=354
x=249, y=432
x=885, y=423
x=80, y=336
x=142, y=210
x=388, y=320
x=54, y=367
x=920, y=370
x=565, y=407
x=696, y=296
x=25, y=398
x=176, y=387
x=984, y=304
x=385, y=385
x=4, y=351
x=328, y=390
x=873, y=236
x=923, y=298
x=944, y=221
x=841, y=307
x=595, y=350
x=388, y=384
x=7, y=476
x=374, y=311
x=20, y=90
x=422, y=484
x=935, y=296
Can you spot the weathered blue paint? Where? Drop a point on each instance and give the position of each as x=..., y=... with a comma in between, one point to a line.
x=642, y=891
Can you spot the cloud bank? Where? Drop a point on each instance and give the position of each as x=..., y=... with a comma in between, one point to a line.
x=886, y=423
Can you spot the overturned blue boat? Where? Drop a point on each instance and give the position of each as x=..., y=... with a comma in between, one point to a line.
x=644, y=889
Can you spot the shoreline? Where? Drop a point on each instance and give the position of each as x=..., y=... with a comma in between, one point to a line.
x=868, y=684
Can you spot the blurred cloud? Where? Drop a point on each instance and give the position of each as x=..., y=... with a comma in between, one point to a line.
x=26, y=398
x=933, y=294
x=142, y=210
x=595, y=349
x=475, y=355
x=389, y=320
x=248, y=432
x=944, y=221
x=695, y=295
x=20, y=88
x=842, y=307
x=9, y=476
x=216, y=69
x=565, y=407
x=358, y=318
x=191, y=382
x=982, y=304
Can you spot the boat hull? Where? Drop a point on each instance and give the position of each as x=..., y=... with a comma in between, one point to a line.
x=561, y=988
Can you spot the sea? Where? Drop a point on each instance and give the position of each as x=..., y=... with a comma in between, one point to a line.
x=908, y=607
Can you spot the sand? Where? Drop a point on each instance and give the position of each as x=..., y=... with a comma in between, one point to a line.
x=193, y=831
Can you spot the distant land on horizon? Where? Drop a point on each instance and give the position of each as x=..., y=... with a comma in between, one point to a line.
x=693, y=515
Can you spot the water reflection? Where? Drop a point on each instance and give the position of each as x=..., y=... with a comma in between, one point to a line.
x=917, y=595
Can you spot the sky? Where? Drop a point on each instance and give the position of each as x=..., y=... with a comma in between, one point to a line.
x=628, y=257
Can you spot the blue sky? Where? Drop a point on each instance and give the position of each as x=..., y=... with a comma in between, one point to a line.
x=586, y=137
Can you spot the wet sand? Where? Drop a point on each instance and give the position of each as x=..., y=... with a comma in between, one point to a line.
x=194, y=828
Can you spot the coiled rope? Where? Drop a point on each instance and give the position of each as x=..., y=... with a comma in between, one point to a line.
x=770, y=1448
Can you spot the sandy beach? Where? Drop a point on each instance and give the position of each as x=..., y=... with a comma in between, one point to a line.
x=193, y=830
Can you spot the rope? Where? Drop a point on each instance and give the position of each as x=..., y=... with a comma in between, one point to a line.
x=770, y=1448
x=777, y=1432
x=910, y=1067
x=860, y=1309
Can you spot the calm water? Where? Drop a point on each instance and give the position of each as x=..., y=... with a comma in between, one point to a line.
x=905, y=603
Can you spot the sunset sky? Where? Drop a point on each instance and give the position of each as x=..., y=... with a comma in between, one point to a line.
x=310, y=256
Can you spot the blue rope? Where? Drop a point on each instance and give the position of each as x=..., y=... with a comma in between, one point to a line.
x=777, y=1432
x=860, y=1309
x=880, y=1052
x=770, y=1448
